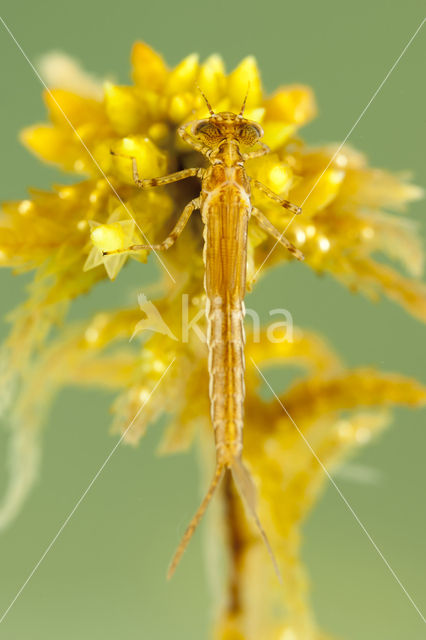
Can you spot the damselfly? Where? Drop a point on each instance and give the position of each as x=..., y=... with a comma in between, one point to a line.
x=225, y=204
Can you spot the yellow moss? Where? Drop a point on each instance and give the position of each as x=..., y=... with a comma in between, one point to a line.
x=61, y=235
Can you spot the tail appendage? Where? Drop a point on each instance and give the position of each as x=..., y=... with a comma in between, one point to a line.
x=247, y=490
x=196, y=520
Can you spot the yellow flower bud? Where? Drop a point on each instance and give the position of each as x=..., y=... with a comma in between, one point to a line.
x=245, y=77
x=184, y=76
x=108, y=237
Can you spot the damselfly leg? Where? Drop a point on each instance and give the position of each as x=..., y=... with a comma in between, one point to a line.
x=171, y=238
x=162, y=180
x=275, y=233
x=276, y=198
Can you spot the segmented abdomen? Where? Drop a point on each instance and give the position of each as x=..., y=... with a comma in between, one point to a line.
x=225, y=256
x=225, y=340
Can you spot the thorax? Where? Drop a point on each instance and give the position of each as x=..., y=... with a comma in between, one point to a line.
x=226, y=179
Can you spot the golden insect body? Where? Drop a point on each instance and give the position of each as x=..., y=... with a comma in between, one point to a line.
x=226, y=207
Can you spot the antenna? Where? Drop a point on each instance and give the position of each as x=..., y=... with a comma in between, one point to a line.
x=209, y=107
x=240, y=115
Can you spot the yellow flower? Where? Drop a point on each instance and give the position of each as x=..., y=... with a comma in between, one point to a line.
x=62, y=234
x=342, y=223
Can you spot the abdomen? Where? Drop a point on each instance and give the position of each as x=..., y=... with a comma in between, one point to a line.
x=226, y=213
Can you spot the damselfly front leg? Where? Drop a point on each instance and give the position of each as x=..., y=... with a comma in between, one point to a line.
x=189, y=139
x=263, y=150
x=171, y=238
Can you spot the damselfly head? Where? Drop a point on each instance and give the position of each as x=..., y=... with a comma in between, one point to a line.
x=225, y=126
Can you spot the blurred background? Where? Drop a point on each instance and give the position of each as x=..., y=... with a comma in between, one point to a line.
x=105, y=576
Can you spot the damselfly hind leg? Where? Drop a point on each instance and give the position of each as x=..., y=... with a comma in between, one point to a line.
x=273, y=196
x=171, y=238
x=279, y=236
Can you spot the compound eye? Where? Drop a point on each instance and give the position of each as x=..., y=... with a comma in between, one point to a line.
x=249, y=134
x=206, y=129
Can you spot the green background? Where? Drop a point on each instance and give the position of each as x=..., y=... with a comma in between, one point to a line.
x=105, y=576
